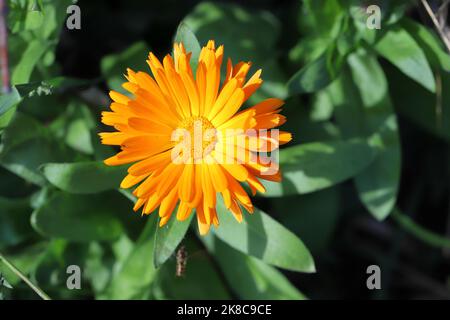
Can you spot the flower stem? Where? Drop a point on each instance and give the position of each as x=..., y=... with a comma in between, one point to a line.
x=420, y=232
x=17, y=272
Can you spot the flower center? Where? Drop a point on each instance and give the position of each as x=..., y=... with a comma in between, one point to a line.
x=202, y=135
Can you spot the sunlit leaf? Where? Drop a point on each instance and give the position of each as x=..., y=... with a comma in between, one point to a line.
x=249, y=277
x=23, y=16
x=378, y=184
x=313, y=166
x=261, y=236
x=168, y=238
x=51, y=86
x=400, y=48
x=83, y=177
x=134, y=278
x=30, y=57
x=9, y=101
x=185, y=35
x=429, y=43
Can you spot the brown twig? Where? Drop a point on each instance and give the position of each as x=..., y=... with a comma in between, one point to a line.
x=4, y=66
x=442, y=13
x=436, y=24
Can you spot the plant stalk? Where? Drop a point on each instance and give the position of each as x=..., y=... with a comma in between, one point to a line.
x=420, y=232
x=17, y=272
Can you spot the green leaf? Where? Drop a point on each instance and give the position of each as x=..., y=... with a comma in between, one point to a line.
x=30, y=57
x=378, y=184
x=261, y=236
x=429, y=42
x=168, y=238
x=84, y=177
x=321, y=17
x=390, y=13
x=364, y=109
x=81, y=218
x=79, y=129
x=22, y=128
x=315, y=75
x=5, y=283
x=313, y=166
x=80, y=133
x=249, y=277
x=27, y=145
x=6, y=118
x=317, y=219
x=200, y=280
x=12, y=186
x=26, y=260
x=55, y=19
x=98, y=267
x=400, y=48
x=51, y=86
x=14, y=221
x=9, y=101
x=422, y=108
x=24, y=17
x=114, y=66
x=369, y=78
x=134, y=278
x=223, y=21
x=185, y=35
x=320, y=23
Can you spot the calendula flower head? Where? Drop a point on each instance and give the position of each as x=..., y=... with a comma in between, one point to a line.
x=187, y=139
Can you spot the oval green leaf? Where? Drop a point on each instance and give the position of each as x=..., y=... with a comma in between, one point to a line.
x=185, y=35
x=133, y=279
x=9, y=101
x=79, y=218
x=315, y=75
x=27, y=145
x=113, y=66
x=200, y=281
x=430, y=44
x=83, y=177
x=400, y=48
x=313, y=166
x=377, y=185
x=168, y=238
x=364, y=109
x=249, y=277
x=261, y=236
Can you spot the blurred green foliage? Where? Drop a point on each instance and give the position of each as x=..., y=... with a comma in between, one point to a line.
x=345, y=87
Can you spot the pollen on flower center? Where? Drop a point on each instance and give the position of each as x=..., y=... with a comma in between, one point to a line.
x=202, y=134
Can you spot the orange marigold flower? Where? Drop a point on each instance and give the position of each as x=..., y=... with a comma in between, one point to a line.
x=176, y=105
